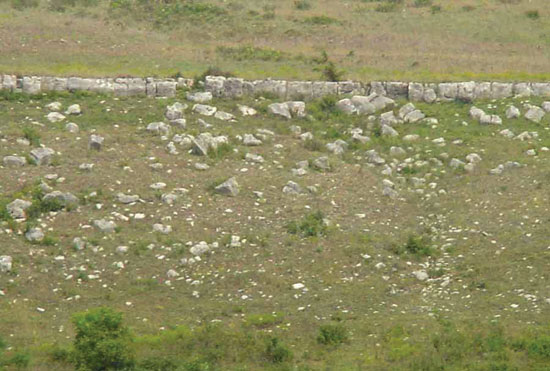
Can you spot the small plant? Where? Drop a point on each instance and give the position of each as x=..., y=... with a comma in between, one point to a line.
x=435, y=9
x=302, y=4
x=276, y=352
x=417, y=245
x=312, y=225
x=532, y=14
x=31, y=135
x=102, y=341
x=221, y=151
x=422, y=3
x=321, y=20
x=313, y=145
x=332, y=334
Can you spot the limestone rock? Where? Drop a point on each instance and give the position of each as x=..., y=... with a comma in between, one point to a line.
x=228, y=188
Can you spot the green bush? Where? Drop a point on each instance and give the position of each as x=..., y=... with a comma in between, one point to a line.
x=311, y=225
x=276, y=352
x=302, y=4
x=532, y=14
x=332, y=334
x=417, y=245
x=32, y=135
x=102, y=342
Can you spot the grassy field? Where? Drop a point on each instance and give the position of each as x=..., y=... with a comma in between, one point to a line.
x=482, y=240
x=426, y=40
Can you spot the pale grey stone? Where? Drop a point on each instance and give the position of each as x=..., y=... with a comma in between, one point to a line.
x=42, y=156
x=228, y=188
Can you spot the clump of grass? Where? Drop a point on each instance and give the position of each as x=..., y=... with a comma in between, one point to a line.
x=532, y=14
x=223, y=150
x=277, y=352
x=436, y=9
x=422, y=3
x=332, y=334
x=321, y=20
x=302, y=4
x=248, y=53
x=417, y=245
x=32, y=135
x=24, y=4
x=311, y=225
x=314, y=145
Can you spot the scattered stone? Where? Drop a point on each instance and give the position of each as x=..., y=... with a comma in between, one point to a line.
x=127, y=199
x=95, y=142
x=17, y=208
x=54, y=106
x=71, y=127
x=14, y=161
x=199, y=97
x=42, y=156
x=224, y=116
x=199, y=249
x=158, y=128
x=201, y=166
x=161, y=228
x=34, y=235
x=55, y=117
x=5, y=263
x=79, y=244
x=247, y=111
x=228, y=188
x=292, y=188
x=250, y=140
x=279, y=109
x=374, y=158
x=105, y=226
x=512, y=112
x=254, y=158
x=321, y=163
x=534, y=113
x=421, y=275
x=175, y=111
x=73, y=109
x=386, y=130
x=63, y=198
x=204, y=110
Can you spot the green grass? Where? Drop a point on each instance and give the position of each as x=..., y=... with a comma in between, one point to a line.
x=490, y=41
x=482, y=243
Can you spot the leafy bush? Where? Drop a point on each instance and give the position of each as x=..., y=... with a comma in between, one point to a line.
x=417, y=245
x=102, y=342
x=32, y=135
x=532, y=14
x=276, y=352
x=332, y=334
x=311, y=225
x=422, y=3
x=302, y=4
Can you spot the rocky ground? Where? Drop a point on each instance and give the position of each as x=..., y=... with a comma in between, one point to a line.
x=375, y=213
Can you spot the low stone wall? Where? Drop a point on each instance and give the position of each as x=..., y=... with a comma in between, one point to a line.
x=413, y=91
x=149, y=86
x=232, y=87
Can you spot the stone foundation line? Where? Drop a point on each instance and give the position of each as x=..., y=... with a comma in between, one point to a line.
x=232, y=87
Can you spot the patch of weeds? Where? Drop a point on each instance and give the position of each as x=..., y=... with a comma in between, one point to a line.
x=321, y=20
x=24, y=4
x=264, y=320
x=277, y=352
x=158, y=364
x=386, y=7
x=332, y=334
x=532, y=14
x=434, y=9
x=223, y=150
x=49, y=241
x=32, y=135
x=302, y=4
x=422, y=3
x=311, y=225
x=417, y=245
x=249, y=53
x=537, y=346
x=314, y=145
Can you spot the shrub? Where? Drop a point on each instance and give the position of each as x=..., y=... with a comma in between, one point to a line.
x=331, y=73
x=532, y=14
x=302, y=4
x=276, y=352
x=312, y=225
x=31, y=135
x=332, y=334
x=102, y=341
x=417, y=245
x=422, y=3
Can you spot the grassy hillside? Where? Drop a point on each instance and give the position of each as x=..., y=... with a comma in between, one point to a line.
x=480, y=239
x=366, y=39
